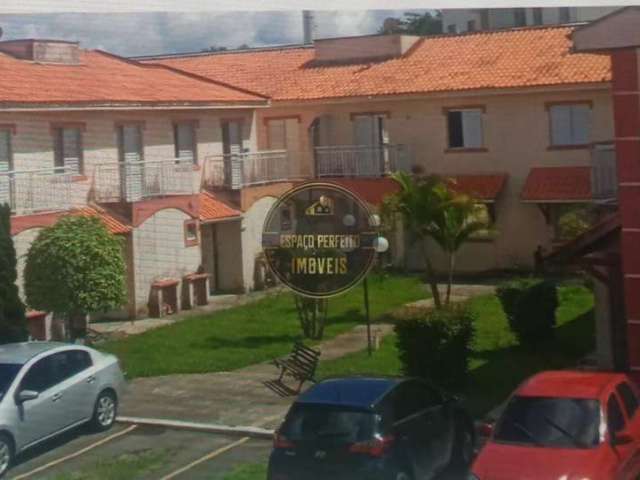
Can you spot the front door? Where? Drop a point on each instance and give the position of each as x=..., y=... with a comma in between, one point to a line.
x=369, y=134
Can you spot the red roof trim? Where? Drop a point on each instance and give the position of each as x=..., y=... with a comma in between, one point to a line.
x=558, y=184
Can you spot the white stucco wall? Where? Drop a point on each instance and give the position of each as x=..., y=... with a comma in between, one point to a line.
x=252, y=224
x=22, y=242
x=159, y=251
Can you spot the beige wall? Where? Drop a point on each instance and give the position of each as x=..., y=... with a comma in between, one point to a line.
x=516, y=135
x=159, y=251
x=22, y=243
x=252, y=225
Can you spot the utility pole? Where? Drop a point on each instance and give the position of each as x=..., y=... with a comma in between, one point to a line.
x=307, y=26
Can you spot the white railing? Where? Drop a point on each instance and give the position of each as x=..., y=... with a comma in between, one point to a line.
x=134, y=181
x=604, y=173
x=30, y=191
x=240, y=170
x=361, y=160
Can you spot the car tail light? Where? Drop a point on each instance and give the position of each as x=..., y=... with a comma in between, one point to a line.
x=375, y=448
x=280, y=441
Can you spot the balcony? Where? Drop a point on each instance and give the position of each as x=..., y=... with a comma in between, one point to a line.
x=44, y=190
x=135, y=181
x=361, y=160
x=604, y=176
x=236, y=171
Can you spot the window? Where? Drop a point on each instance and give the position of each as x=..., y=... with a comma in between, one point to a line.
x=629, y=399
x=564, y=14
x=68, y=149
x=471, y=26
x=232, y=137
x=615, y=419
x=570, y=124
x=283, y=133
x=550, y=422
x=8, y=372
x=465, y=128
x=78, y=360
x=412, y=397
x=40, y=376
x=537, y=16
x=6, y=152
x=184, y=134
x=130, y=142
x=453, y=28
x=519, y=17
x=191, y=237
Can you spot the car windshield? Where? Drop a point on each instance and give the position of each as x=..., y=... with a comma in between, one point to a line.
x=550, y=422
x=8, y=372
x=330, y=424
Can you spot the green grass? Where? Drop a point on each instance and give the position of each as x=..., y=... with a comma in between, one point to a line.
x=124, y=467
x=498, y=363
x=241, y=336
x=247, y=472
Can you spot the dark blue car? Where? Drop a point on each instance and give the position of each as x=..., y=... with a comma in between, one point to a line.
x=371, y=429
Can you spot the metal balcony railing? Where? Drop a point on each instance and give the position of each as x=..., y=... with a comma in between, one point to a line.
x=135, y=181
x=240, y=170
x=604, y=173
x=361, y=160
x=42, y=190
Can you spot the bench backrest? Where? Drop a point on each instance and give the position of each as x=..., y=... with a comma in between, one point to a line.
x=305, y=356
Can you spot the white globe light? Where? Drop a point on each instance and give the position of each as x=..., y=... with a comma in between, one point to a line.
x=349, y=220
x=374, y=220
x=380, y=244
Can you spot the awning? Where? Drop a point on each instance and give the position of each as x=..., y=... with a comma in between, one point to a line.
x=371, y=190
x=215, y=210
x=558, y=185
x=484, y=187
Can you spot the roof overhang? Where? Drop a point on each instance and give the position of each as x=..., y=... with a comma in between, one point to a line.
x=16, y=107
x=560, y=185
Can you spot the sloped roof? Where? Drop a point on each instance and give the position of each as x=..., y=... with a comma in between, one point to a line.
x=103, y=79
x=371, y=190
x=486, y=187
x=558, y=184
x=212, y=209
x=521, y=57
x=114, y=224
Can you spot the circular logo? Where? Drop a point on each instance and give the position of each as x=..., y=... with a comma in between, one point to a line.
x=319, y=239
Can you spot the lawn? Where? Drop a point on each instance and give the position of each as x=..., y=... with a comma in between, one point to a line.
x=241, y=336
x=246, y=472
x=498, y=363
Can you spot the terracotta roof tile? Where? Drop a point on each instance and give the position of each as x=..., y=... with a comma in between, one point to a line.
x=524, y=57
x=481, y=187
x=558, y=184
x=213, y=209
x=105, y=79
x=114, y=225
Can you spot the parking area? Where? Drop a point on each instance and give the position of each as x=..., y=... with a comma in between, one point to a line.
x=145, y=453
x=140, y=452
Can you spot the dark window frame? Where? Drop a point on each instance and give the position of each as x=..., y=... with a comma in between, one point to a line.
x=193, y=124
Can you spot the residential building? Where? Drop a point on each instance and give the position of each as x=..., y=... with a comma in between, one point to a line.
x=513, y=115
x=460, y=20
x=183, y=155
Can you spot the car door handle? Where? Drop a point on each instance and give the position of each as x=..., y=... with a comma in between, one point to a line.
x=56, y=397
x=91, y=379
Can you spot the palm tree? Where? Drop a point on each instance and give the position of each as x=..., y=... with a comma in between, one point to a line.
x=455, y=224
x=431, y=208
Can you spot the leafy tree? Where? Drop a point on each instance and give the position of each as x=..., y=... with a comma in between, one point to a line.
x=75, y=268
x=428, y=23
x=215, y=48
x=13, y=326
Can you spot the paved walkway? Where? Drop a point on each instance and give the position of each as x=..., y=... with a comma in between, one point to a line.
x=244, y=397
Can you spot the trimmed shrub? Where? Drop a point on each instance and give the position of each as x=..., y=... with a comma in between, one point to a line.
x=436, y=345
x=530, y=307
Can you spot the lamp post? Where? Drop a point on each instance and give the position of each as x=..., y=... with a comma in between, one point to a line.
x=381, y=245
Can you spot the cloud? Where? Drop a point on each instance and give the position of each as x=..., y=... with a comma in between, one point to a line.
x=132, y=34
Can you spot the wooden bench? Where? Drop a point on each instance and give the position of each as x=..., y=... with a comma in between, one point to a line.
x=300, y=364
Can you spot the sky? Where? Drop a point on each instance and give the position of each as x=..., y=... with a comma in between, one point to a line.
x=131, y=34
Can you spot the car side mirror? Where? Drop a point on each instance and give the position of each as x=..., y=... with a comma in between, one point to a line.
x=27, y=395
x=486, y=429
x=621, y=438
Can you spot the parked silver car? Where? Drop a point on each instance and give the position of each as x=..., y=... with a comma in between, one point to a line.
x=47, y=388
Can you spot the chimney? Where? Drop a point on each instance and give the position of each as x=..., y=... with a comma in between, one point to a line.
x=307, y=26
x=43, y=51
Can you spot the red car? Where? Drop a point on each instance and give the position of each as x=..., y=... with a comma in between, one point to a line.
x=565, y=425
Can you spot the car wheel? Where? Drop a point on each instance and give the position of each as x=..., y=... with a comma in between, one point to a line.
x=6, y=454
x=105, y=411
x=462, y=454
